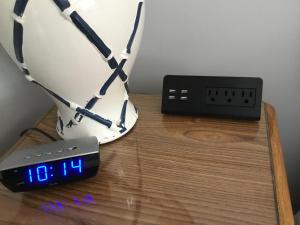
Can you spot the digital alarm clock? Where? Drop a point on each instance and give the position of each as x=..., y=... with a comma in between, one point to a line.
x=50, y=165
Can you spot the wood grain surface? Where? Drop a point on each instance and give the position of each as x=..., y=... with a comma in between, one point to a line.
x=285, y=212
x=167, y=170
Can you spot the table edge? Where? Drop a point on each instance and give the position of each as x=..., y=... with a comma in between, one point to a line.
x=282, y=194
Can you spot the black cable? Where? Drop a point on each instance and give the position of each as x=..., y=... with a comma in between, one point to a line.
x=40, y=131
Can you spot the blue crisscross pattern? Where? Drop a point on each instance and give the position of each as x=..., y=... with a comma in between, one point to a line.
x=105, y=53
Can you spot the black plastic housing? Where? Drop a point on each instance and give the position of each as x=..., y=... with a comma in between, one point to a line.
x=13, y=179
x=236, y=97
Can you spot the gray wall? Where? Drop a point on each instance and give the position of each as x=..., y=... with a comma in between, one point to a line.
x=21, y=103
x=198, y=37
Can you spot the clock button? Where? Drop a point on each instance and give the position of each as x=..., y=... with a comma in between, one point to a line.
x=38, y=155
x=28, y=157
x=49, y=153
x=60, y=151
x=72, y=148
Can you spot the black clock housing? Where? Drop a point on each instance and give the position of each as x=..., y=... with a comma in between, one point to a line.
x=50, y=165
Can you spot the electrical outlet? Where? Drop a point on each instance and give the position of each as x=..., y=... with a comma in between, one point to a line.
x=231, y=97
x=238, y=97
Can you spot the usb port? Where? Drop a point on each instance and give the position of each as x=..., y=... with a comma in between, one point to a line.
x=184, y=98
x=184, y=91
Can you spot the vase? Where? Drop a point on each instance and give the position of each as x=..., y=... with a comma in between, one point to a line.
x=81, y=52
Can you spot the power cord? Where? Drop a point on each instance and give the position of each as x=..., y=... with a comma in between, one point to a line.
x=40, y=131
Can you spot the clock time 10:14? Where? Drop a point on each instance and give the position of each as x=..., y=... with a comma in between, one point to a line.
x=62, y=169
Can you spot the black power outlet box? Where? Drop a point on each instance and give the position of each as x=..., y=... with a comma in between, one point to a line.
x=237, y=97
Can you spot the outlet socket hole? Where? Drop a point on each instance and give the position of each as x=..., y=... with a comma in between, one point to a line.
x=217, y=93
x=209, y=92
x=251, y=94
x=226, y=93
x=212, y=99
x=233, y=93
x=246, y=101
x=243, y=94
x=229, y=100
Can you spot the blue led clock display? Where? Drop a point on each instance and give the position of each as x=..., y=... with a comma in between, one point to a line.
x=50, y=172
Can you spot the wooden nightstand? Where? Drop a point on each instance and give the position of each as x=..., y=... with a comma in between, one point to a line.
x=168, y=170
